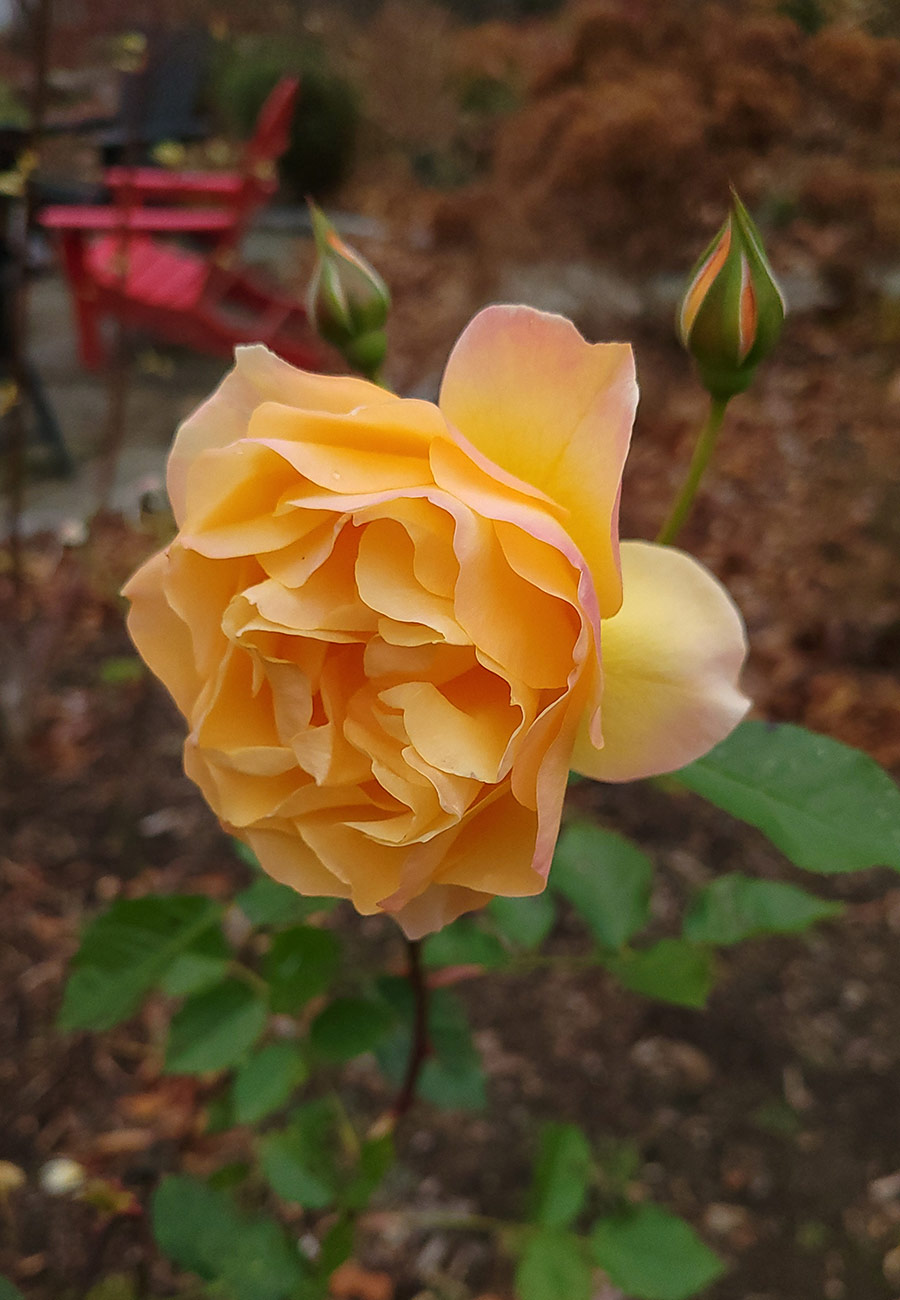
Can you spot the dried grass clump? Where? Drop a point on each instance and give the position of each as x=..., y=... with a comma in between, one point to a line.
x=886, y=210
x=836, y=188
x=853, y=70
x=405, y=65
x=583, y=160
x=627, y=119
x=752, y=107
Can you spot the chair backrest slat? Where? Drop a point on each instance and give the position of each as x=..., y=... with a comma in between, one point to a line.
x=273, y=126
x=265, y=147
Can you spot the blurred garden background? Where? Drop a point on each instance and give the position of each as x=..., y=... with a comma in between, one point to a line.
x=576, y=157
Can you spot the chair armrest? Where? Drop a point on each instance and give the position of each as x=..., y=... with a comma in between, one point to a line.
x=174, y=221
x=153, y=183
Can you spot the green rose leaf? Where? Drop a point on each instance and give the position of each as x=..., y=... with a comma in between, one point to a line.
x=126, y=951
x=459, y=1086
x=302, y=1161
x=336, y=1247
x=348, y=1027
x=672, y=970
x=464, y=943
x=562, y=1176
x=266, y=902
x=200, y=1229
x=452, y=1076
x=215, y=1029
x=8, y=1291
x=375, y=1158
x=245, y=854
x=606, y=878
x=523, y=922
x=735, y=907
x=202, y=964
x=827, y=807
x=266, y=1081
x=553, y=1266
x=300, y=965
x=653, y=1255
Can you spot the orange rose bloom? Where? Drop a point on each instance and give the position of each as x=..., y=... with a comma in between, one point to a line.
x=383, y=619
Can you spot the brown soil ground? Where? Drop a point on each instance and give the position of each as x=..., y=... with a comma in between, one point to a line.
x=770, y=1121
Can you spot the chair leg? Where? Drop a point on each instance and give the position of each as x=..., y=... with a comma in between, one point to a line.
x=84, y=297
x=90, y=340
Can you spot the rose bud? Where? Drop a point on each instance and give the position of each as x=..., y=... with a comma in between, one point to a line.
x=347, y=301
x=732, y=311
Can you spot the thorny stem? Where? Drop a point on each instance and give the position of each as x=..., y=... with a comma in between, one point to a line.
x=418, y=1051
x=703, y=450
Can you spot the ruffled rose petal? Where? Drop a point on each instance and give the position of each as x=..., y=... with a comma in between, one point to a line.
x=162, y=639
x=286, y=858
x=437, y=907
x=671, y=661
x=258, y=376
x=527, y=390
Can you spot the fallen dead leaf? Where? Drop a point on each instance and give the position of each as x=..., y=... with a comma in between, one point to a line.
x=353, y=1282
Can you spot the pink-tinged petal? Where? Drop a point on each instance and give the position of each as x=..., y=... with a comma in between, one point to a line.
x=528, y=392
x=258, y=376
x=671, y=661
x=495, y=850
x=437, y=907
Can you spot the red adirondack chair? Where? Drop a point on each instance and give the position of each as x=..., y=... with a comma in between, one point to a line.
x=240, y=192
x=121, y=261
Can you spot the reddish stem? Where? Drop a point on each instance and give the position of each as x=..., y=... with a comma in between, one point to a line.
x=418, y=1051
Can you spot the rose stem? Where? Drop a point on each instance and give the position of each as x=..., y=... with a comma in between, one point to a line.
x=419, y=1047
x=703, y=450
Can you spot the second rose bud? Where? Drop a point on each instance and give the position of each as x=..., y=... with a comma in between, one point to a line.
x=732, y=311
x=348, y=302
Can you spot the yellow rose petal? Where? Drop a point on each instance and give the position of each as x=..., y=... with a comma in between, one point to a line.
x=285, y=856
x=671, y=661
x=469, y=739
x=258, y=376
x=163, y=639
x=527, y=390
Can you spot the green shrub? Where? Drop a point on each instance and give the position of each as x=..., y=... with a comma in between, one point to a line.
x=323, y=133
x=12, y=111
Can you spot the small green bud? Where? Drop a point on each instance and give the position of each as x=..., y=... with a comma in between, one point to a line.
x=367, y=352
x=732, y=311
x=348, y=302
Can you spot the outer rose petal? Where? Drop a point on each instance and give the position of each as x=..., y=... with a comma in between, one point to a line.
x=162, y=638
x=527, y=390
x=437, y=907
x=671, y=660
x=258, y=376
